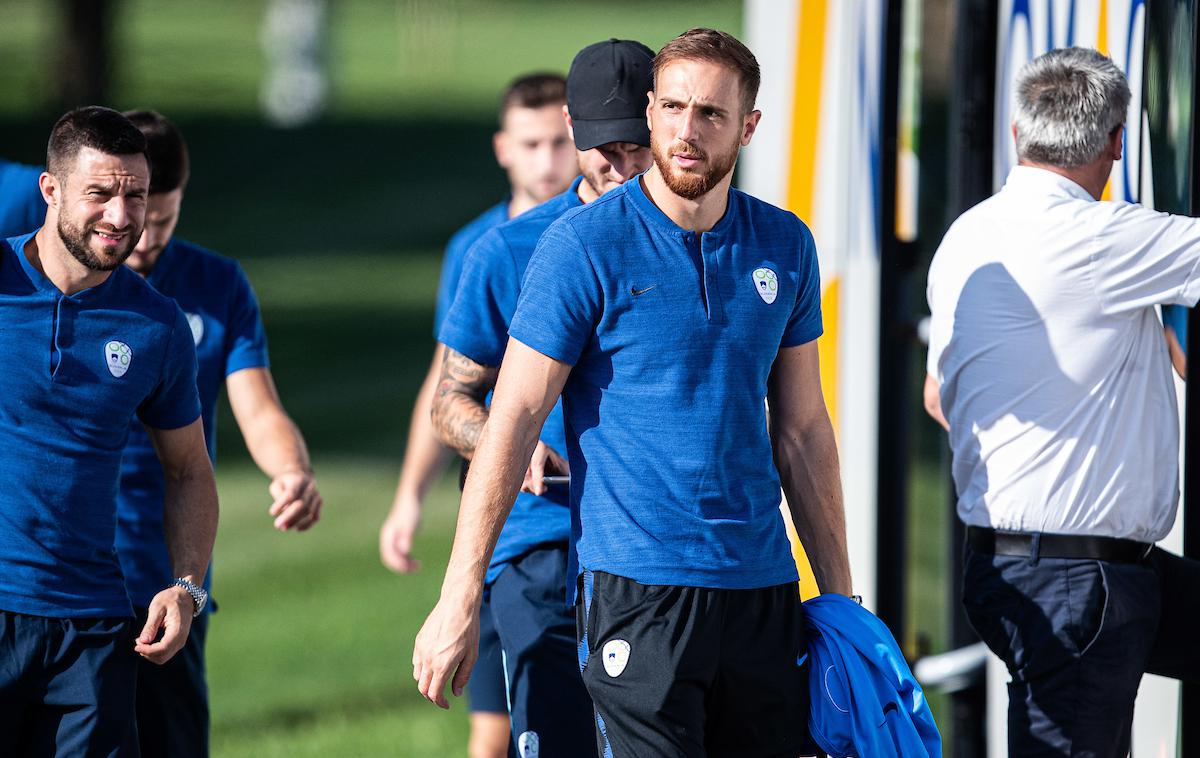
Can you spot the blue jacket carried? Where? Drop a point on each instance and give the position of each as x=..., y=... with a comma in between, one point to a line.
x=865, y=700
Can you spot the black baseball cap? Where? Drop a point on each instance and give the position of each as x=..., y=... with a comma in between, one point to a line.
x=606, y=93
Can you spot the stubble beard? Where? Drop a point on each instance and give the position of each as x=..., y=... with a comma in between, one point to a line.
x=76, y=242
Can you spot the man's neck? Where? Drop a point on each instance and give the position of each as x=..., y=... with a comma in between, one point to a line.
x=46, y=252
x=1091, y=176
x=699, y=215
x=521, y=202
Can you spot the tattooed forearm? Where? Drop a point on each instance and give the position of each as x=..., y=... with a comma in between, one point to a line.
x=459, y=412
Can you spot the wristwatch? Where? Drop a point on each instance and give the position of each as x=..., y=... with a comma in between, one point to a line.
x=199, y=594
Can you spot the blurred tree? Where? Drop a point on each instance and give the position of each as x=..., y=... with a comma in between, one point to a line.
x=85, y=61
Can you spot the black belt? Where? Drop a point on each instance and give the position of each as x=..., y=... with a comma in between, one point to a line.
x=1035, y=545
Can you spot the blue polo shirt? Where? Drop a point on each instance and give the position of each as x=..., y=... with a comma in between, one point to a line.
x=672, y=336
x=456, y=252
x=22, y=208
x=225, y=326
x=76, y=369
x=477, y=327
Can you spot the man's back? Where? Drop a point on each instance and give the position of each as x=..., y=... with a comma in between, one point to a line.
x=1046, y=343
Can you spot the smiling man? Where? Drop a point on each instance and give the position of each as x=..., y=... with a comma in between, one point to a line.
x=87, y=346
x=665, y=313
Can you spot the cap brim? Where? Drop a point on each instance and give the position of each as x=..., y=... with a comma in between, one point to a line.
x=596, y=132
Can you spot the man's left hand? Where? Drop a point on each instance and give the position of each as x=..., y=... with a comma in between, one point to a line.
x=171, y=613
x=297, y=502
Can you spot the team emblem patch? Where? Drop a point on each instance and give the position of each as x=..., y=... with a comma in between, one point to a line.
x=118, y=356
x=528, y=745
x=197, y=325
x=615, y=654
x=766, y=284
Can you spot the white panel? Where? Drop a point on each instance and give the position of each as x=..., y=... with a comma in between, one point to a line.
x=771, y=34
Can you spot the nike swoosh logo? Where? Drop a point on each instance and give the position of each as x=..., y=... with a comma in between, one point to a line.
x=635, y=291
x=800, y=660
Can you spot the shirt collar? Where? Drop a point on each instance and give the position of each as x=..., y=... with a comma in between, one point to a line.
x=1040, y=180
x=654, y=214
x=42, y=282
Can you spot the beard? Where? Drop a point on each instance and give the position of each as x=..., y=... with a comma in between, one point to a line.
x=691, y=184
x=76, y=239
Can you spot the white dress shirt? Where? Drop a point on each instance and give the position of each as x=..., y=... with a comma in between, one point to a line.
x=1054, y=373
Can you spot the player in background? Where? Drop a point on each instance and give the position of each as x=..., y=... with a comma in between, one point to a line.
x=22, y=208
x=534, y=149
x=529, y=572
x=231, y=349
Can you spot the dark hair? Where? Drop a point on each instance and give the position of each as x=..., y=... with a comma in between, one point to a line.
x=166, y=149
x=533, y=91
x=93, y=126
x=715, y=47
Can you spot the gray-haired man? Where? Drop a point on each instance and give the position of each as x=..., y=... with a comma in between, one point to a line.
x=1047, y=358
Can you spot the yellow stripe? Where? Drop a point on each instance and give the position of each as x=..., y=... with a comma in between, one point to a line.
x=1102, y=46
x=801, y=191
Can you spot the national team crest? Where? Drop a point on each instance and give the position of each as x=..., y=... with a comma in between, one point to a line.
x=615, y=655
x=197, y=325
x=118, y=356
x=528, y=745
x=766, y=284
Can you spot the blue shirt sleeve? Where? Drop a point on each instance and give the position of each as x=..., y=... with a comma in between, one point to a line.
x=448, y=281
x=805, y=325
x=477, y=323
x=561, y=298
x=175, y=402
x=245, y=339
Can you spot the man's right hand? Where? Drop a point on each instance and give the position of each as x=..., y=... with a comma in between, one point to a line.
x=544, y=462
x=446, y=648
x=171, y=612
x=396, y=536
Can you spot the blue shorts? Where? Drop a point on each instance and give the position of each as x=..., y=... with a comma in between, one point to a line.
x=550, y=709
x=486, y=692
x=67, y=686
x=172, y=699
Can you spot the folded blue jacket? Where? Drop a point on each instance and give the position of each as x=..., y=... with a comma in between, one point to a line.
x=865, y=700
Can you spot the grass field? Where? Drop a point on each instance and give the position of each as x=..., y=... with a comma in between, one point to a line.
x=340, y=226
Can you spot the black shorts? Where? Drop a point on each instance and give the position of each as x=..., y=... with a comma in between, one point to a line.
x=690, y=671
x=172, y=699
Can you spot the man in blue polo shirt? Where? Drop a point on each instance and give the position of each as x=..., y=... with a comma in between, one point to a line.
x=528, y=575
x=22, y=208
x=87, y=346
x=665, y=313
x=231, y=351
x=534, y=149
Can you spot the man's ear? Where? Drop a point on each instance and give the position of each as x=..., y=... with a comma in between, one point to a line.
x=500, y=148
x=51, y=189
x=749, y=125
x=1116, y=143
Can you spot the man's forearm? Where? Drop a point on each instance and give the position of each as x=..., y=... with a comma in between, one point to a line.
x=190, y=516
x=459, y=413
x=424, y=455
x=811, y=478
x=491, y=487
x=275, y=443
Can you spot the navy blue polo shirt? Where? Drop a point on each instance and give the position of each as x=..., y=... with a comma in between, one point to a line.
x=456, y=252
x=225, y=326
x=477, y=327
x=22, y=208
x=77, y=369
x=672, y=336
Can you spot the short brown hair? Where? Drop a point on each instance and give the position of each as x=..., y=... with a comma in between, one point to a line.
x=717, y=47
x=93, y=126
x=169, y=164
x=533, y=91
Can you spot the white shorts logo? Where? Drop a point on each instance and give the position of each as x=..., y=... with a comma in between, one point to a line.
x=528, y=745
x=615, y=655
x=197, y=325
x=766, y=284
x=118, y=356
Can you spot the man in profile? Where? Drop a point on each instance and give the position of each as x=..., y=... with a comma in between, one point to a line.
x=88, y=346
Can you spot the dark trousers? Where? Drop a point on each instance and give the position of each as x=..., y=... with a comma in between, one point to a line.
x=66, y=687
x=550, y=710
x=1076, y=636
x=485, y=689
x=172, y=699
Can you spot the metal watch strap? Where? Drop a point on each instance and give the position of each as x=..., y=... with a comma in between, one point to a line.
x=199, y=595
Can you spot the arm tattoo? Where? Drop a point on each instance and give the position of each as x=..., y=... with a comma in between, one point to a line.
x=458, y=409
